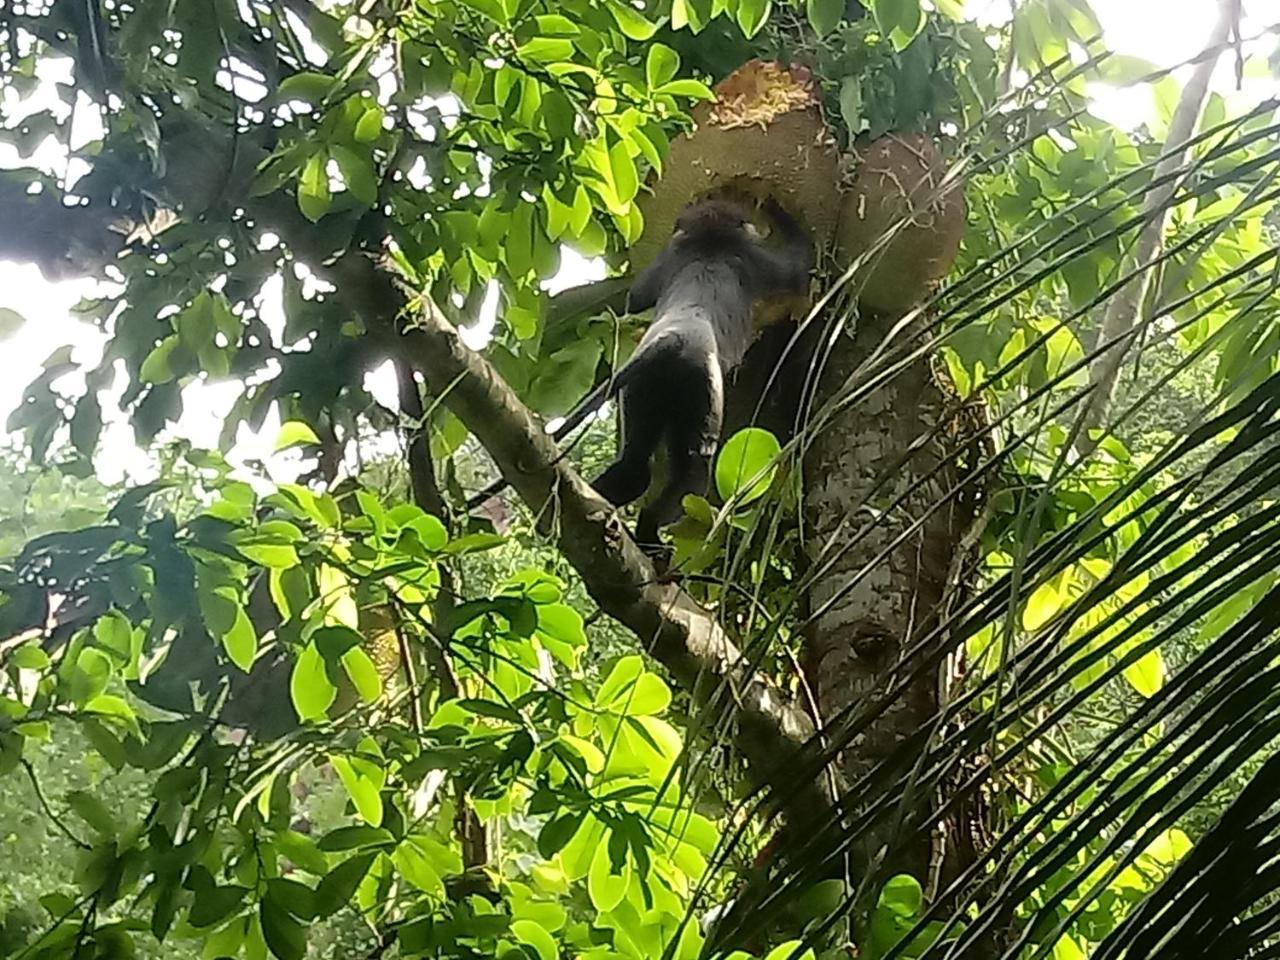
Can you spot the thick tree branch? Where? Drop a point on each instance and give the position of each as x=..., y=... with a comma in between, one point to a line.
x=682, y=635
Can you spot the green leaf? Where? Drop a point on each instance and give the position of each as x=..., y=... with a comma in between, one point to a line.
x=309, y=685
x=311, y=87
x=155, y=368
x=369, y=126
x=358, y=173
x=339, y=884
x=491, y=708
x=352, y=838
x=851, y=104
x=1147, y=674
x=107, y=705
x=416, y=867
x=213, y=904
x=747, y=464
x=631, y=22
x=363, y=673
x=546, y=50
x=900, y=20
x=333, y=642
x=561, y=622
x=241, y=641
x=474, y=543
x=90, y=676
x=431, y=532
x=302, y=852
x=285, y=936
x=295, y=433
x=290, y=589
x=86, y=424
x=903, y=895
x=623, y=171
x=694, y=89
x=896, y=911
x=363, y=780
x=824, y=15
x=313, y=188
x=555, y=25
x=268, y=551
x=10, y=322
x=532, y=934
x=557, y=832
x=114, y=633
x=623, y=675
x=650, y=695
x=661, y=65
x=29, y=656
x=337, y=597
x=93, y=812
x=40, y=730
x=11, y=746
x=752, y=14
x=297, y=898
x=606, y=886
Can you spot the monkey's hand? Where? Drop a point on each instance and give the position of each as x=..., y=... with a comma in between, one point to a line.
x=781, y=218
x=774, y=210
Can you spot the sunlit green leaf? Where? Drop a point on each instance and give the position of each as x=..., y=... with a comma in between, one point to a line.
x=746, y=465
x=309, y=686
x=661, y=65
x=313, y=188
x=363, y=673
x=295, y=433
x=531, y=933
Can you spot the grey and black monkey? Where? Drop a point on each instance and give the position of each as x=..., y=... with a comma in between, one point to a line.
x=703, y=286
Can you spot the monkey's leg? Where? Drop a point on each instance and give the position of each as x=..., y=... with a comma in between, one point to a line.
x=692, y=438
x=642, y=412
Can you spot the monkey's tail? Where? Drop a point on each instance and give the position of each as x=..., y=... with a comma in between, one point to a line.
x=639, y=362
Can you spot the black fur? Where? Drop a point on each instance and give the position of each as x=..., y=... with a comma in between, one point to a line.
x=703, y=286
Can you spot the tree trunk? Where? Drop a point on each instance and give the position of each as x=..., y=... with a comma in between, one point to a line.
x=882, y=534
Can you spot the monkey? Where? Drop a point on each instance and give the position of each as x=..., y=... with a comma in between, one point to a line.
x=703, y=286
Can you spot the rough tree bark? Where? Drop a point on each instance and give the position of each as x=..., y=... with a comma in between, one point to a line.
x=881, y=536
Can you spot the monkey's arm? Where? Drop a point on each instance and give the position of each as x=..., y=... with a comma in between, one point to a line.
x=648, y=286
x=785, y=267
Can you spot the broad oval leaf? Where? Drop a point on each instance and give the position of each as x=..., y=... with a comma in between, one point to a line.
x=605, y=887
x=363, y=780
x=753, y=13
x=295, y=433
x=747, y=464
x=309, y=685
x=339, y=885
x=363, y=672
x=241, y=640
x=313, y=188
x=533, y=934
x=661, y=65
x=824, y=15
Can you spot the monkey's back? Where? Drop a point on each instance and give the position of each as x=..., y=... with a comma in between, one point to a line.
x=707, y=305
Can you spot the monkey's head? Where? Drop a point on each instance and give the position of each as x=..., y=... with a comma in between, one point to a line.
x=714, y=219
